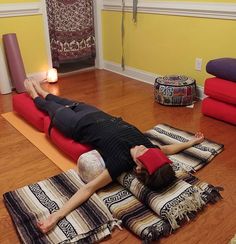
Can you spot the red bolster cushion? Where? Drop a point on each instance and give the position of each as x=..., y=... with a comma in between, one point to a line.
x=220, y=89
x=219, y=110
x=25, y=107
x=70, y=147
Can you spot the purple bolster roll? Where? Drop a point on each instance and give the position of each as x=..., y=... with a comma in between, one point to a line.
x=15, y=62
x=224, y=68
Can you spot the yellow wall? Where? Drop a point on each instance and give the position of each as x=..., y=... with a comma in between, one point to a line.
x=31, y=38
x=165, y=44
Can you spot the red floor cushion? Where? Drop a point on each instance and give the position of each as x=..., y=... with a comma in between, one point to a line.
x=220, y=89
x=70, y=147
x=25, y=107
x=219, y=110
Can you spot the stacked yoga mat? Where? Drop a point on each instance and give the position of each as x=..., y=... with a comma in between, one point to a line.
x=221, y=90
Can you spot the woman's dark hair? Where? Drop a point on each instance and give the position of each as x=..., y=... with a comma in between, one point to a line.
x=160, y=179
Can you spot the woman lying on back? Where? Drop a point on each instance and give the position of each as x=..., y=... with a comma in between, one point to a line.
x=122, y=146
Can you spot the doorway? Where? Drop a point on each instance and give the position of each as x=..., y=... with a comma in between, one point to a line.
x=71, y=34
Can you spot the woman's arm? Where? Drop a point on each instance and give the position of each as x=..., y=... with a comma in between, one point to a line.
x=75, y=201
x=175, y=148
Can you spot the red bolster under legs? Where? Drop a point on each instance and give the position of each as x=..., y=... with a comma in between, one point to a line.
x=68, y=146
x=219, y=110
x=153, y=159
x=25, y=107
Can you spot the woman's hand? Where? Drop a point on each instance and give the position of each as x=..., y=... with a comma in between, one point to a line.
x=75, y=201
x=48, y=224
x=199, y=137
x=178, y=147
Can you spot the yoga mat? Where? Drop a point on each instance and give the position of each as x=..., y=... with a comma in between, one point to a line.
x=15, y=62
x=40, y=140
x=5, y=84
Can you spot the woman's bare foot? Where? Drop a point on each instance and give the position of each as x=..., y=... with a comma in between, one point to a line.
x=30, y=88
x=48, y=224
x=39, y=89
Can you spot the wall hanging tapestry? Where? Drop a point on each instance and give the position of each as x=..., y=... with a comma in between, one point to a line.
x=71, y=30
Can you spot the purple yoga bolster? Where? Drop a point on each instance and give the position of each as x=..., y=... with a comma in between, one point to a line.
x=15, y=62
x=224, y=68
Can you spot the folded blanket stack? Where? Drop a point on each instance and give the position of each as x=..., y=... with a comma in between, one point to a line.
x=135, y=215
x=152, y=215
x=221, y=90
x=173, y=204
x=89, y=223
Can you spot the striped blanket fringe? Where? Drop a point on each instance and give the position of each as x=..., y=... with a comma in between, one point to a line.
x=89, y=223
x=174, y=204
x=209, y=193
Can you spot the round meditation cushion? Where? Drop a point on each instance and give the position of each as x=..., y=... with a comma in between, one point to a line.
x=175, y=90
x=90, y=165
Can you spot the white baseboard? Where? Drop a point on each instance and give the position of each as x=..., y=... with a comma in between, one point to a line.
x=131, y=72
x=141, y=75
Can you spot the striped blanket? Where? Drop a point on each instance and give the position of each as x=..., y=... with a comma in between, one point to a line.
x=150, y=215
x=191, y=159
x=135, y=216
x=89, y=223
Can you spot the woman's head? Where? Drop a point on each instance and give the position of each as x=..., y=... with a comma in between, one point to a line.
x=152, y=167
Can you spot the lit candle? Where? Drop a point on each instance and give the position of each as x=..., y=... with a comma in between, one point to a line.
x=52, y=76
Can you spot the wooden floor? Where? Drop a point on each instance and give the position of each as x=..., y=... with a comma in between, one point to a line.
x=21, y=163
